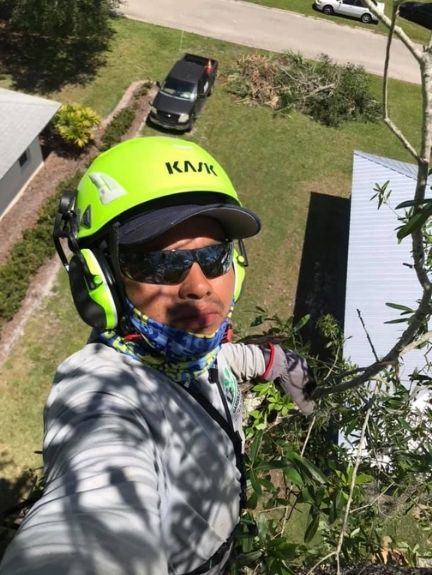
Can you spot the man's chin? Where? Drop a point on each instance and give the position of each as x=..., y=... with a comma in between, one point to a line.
x=203, y=325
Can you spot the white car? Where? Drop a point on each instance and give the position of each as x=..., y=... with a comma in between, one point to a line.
x=353, y=8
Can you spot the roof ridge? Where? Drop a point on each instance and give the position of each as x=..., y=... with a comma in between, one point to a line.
x=403, y=168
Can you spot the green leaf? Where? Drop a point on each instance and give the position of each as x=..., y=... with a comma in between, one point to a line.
x=302, y=322
x=306, y=495
x=252, y=502
x=312, y=526
x=400, y=307
x=244, y=559
x=363, y=478
x=337, y=506
x=313, y=471
x=294, y=476
x=415, y=222
x=256, y=485
x=355, y=532
x=411, y=203
x=256, y=444
x=262, y=387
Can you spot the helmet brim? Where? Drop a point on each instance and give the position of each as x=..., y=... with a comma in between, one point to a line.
x=237, y=222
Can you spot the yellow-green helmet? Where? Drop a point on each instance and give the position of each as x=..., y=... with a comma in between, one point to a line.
x=131, y=181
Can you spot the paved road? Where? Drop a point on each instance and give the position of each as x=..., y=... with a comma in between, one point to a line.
x=277, y=30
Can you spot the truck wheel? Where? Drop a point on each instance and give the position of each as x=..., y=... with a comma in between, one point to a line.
x=190, y=125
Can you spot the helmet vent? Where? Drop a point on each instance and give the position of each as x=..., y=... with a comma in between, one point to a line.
x=109, y=189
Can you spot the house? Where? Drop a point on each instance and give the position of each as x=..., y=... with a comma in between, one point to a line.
x=379, y=269
x=22, y=118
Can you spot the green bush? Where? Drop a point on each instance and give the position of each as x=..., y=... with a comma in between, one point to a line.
x=74, y=124
x=328, y=92
x=118, y=126
x=27, y=256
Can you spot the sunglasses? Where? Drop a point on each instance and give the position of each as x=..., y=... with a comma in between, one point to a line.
x=171, y=267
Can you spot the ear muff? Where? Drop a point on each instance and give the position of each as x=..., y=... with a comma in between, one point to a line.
x=239, y=264
x=92, y=287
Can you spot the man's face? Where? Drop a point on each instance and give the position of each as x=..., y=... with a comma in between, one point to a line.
x=197, y=304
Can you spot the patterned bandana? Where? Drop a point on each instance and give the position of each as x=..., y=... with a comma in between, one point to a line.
x=181, y=355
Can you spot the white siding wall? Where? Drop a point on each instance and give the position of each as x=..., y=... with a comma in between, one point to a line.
x=16, y=177
x=375, y=273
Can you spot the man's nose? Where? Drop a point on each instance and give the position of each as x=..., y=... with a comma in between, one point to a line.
x=195, y=285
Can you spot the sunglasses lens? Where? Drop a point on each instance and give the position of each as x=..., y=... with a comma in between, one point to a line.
x=171, y=267
x=215, y=260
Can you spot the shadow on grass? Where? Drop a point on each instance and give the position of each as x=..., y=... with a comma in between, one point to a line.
x=322, y=279
x=45, y=64
x=16, y=497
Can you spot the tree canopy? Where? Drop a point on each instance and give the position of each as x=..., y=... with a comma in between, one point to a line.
x=59, y=18
x=47, y=43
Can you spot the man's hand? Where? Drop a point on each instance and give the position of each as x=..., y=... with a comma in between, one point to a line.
x=290, y=371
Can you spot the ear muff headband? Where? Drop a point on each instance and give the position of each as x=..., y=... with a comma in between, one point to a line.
x=91, y=281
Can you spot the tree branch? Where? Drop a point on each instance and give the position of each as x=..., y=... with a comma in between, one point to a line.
x=422, y=313
x=412, y=47
x=393, y=128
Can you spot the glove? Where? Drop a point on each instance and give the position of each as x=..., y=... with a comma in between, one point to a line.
x=290, y=371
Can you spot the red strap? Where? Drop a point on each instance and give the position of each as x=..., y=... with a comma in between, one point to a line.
x=270, y=363
x=133, y=337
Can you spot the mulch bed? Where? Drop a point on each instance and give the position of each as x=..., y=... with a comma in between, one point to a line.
x=24, y=212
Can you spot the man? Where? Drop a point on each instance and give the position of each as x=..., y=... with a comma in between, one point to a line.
x=143, y=441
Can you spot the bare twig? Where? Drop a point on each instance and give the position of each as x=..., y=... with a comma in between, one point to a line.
x=319, y=562
x=353, y=481
x=393, y=128
x=375, y=499
x=367, y=335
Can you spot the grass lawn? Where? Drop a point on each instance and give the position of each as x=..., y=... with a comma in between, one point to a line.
x=415, y=32
x=275, y=163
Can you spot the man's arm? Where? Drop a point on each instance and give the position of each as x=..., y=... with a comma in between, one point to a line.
x=286, y=368
x=99, y=513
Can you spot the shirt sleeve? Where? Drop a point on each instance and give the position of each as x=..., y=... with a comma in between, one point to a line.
x=100, y=511
x=246, y=361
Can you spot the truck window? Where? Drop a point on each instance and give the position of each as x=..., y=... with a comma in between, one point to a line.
x=179, y=89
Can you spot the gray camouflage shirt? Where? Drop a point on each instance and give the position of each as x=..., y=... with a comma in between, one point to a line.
x=140, y=480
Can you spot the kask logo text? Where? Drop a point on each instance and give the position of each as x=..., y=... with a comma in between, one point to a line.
x=183, y=167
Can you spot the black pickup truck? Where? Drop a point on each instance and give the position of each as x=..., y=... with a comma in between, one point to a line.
x=183, y=93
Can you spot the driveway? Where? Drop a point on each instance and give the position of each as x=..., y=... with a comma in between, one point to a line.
x=278, y=30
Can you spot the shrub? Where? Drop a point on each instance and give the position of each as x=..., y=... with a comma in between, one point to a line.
x=118, y=126
x=26, y=257
x=326, y=91
x=74, y=124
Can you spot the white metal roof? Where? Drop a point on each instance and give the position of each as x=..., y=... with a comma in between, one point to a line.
x=22, y=117
x=378, y=266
